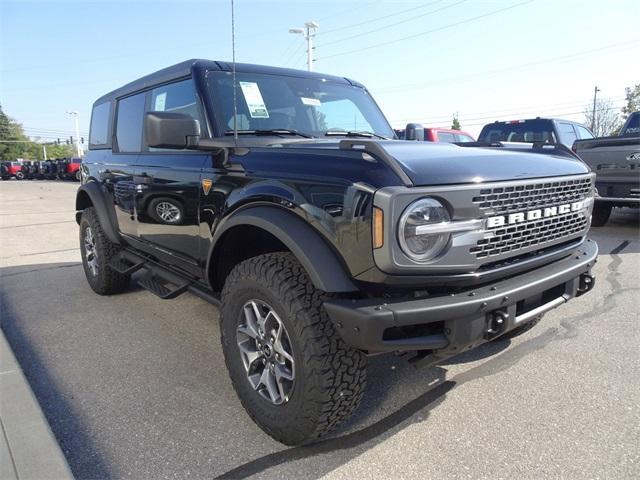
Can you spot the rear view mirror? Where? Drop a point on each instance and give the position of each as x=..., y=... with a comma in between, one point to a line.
x=414, y=131
x=171, y=130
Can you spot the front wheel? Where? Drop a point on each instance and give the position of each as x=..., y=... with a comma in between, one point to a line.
x=97, y=251
x=292, y=371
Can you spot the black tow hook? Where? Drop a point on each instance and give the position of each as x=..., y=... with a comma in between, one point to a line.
x=585, y=284
x=496, y=323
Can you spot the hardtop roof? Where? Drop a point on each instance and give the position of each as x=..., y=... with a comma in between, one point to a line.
x=184, y=69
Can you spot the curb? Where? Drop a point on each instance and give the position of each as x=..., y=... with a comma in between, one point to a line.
x=28, y=448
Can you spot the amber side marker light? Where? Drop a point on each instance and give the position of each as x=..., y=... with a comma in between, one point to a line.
x=378, y=223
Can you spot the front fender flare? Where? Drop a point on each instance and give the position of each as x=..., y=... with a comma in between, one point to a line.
x=314, y=254
x=96, y=199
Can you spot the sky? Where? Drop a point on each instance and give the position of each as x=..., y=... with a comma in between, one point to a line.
x=422, y=61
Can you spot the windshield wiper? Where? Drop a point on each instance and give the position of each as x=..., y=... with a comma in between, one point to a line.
x=353, y=133
x=273, y=131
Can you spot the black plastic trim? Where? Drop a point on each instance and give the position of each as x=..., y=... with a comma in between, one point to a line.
x=95, y=194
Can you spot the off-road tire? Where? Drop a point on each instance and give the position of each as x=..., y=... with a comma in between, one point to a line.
x=601, y=214
x=19, y=176
x=107, y=281
x=330, y=376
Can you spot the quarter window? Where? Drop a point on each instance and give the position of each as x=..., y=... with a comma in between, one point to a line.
x=446, y=137
x=100, y=125
x=129, y=123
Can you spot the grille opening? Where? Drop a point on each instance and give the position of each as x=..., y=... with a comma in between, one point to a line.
x=528, y=304
x=535, y=253
x=413, y=331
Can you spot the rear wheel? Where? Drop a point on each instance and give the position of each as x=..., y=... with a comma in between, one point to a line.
x=19, y=176
x=601, y=214
x=292, y=371
x=97, y=252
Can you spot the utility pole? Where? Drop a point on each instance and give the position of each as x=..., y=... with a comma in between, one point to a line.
x=308, y=32
x=593, y=114
x=44, y=151
x=78, y=148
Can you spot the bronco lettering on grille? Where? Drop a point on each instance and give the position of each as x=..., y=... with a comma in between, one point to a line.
x=513, y=218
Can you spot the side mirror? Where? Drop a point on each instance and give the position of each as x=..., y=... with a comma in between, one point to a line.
x=414, y=131
x=171, y=130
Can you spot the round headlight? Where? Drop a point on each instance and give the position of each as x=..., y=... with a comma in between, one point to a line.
x=414, y=236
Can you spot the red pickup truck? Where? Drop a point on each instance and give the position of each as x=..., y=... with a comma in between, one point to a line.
x=437, y=134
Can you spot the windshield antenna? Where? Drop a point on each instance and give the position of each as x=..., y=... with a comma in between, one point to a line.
x=233, y=73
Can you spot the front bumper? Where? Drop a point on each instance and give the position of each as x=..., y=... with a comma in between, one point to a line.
x=452, y=323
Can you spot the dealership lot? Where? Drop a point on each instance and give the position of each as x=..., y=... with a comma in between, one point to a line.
x=134, y=386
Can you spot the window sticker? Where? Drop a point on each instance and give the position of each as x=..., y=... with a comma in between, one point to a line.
x=161, y=101
x=253, y=97
x=313, y=102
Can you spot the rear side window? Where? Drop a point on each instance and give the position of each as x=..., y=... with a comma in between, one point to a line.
x=567, y=133
x=129, y=123
x=99, y=134
x=446, y=137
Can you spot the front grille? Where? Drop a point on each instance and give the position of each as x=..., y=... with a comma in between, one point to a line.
x=507, y=240
x=501, y=200
x=534, y=233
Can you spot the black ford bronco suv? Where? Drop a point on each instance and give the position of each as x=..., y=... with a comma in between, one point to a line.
x=283, y=197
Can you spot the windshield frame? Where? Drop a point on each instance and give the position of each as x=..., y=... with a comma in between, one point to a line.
x=220, y=129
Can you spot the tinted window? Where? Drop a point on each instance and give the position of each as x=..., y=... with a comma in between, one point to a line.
x=463, y=138
x=129, y=123
x=567, y=133
x=583, y=132
x=446, y=137
x=100, y=125
x=177, y=98
x=518, y=131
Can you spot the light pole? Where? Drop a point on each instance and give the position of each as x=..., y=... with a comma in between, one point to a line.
x=593, y=114
x=74, y=114
x=308, y=32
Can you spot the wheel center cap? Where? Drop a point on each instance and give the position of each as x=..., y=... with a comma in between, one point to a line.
x=267, y=350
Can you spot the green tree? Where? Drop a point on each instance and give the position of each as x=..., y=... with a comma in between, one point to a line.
x=13, y=142
x=455, y=125
x=633, y=101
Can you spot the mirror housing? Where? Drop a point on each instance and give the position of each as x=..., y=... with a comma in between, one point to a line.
x=171, y=130
x=414, y=131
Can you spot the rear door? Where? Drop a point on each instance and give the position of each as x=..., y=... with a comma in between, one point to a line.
x=168, y=183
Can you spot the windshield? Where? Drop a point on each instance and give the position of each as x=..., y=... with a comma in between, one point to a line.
x=519, y=131
x=306, y=105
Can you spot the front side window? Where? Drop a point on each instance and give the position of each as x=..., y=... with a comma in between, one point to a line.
x=308, y=105
x=446, y=137
x=177, y=97
x=567, y=133
x=583, y=132
x=129, y=123
x=462, y=138
x=99, y=125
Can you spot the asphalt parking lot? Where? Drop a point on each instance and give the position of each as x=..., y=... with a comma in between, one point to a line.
x=134, y=386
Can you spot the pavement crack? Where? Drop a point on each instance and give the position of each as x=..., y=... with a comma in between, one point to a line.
x=13, y=274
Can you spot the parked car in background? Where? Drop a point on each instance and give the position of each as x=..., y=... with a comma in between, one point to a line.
x=616, y=162
x=29, y=169
x=536, y=130
x=9, y=170
x=437, y=134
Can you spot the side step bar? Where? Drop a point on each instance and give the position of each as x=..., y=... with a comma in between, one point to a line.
x=160, y=281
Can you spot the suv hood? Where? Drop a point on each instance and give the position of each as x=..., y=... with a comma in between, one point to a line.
x=442, y=163
x=429, y=163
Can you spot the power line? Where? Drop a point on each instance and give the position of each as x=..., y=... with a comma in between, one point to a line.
x=342, y=12
x=451, y=25
x=418, y=86
x=376, y=19
x=376, y=30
